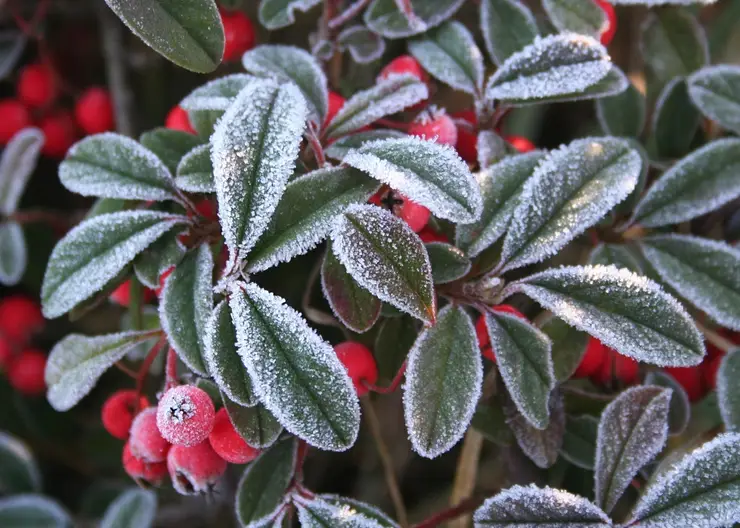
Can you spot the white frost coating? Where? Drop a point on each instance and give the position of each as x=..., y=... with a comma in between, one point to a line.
x=706, y=272
x=318, y=513
x=364, y=45
x=578, y=16
x=701, y=182
x=507, y=26
x=217, y=94
x=728, y=392
x=13, y=253
x=10, y=445
x=560, y=64
x=700, y=491
x=16, y=166
x=368, y=510
x=639, y=320
x=135, y=507
x=541, y=446
x=390, y=22
x=254, y=148
x=532, y=507
x=339, y=148
x=45, y=511
x=491, y=148
x=569, y=191
x=295, y=373
x=275, y=14
x=195, y=171
x=715, y=90
x=444, y=377
x=428, y=173
x=114, y=166
x=632, y=431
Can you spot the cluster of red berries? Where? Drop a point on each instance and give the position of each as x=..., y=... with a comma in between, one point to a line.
x=604, y=365
x=183, y=436
x=20, y=319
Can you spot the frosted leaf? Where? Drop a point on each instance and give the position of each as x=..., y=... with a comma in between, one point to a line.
x=113, y=166
x=523, y=356
x=20, y=471
x=625, y=311
x=132, y=508
x=393, y=340
x=13, y=253
x=291, y=64
x=77, y=361
x=617, y=255
x=255, y=424
x=443, y=383
x=195, y=171
x=706, y=272
x=12, y=44
x=533, y=507
x=363, y=45
x=728, y=392
x=674, y=121
x=568, y=347
x=32, y=510
x=169, y=145
x=275, y=14
x=386, y=258
x=217, y=94
x=715, y=90
x=569, y=191
x=352, y=304
x=428, y=173
x=254, y=149
x=18, y=162
x=264, y=482
x=322, y=49
x=318, y=513
x=701, y=182
x=622, y=114
x=449, y=54
x=448, y=262
x=185, y=306
x=507, y=27
x=339, y=148
x=387, y=97
x=305, y=213
x=655, y=3
x=679, y=411
x=541, y=446
x=385, y=18
x=500, y=186
x=150, y=264
x=702, y=490
x=579, y=441
x=295, y=373
x=579, y=16
x=95, y=252
x=555, y=65
x=491, y=148
x=632, y=431
x=204, y=121
x=613, y=83
x=367, y=510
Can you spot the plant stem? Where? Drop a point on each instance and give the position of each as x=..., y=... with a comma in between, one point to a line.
x=468, y=505
x=390, y=388
x=123, y=368
x=318, y=150
x=466, y=474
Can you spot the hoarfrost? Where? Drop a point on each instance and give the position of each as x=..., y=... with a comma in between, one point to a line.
x=728, y=392
x=217, y=94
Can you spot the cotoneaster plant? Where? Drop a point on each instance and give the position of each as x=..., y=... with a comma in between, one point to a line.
x=559, y=303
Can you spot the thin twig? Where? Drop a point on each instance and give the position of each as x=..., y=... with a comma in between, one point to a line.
x=468, y=505
x=466, y=473
x=123, y=368
x=318, y=150
x=348, y=14
x=716, y=339
x=392, y=387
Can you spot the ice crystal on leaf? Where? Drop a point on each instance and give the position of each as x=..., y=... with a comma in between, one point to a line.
x=195, y=171
x=217, y=94
x=318, y=513
x=541, y=446
x=728, y=392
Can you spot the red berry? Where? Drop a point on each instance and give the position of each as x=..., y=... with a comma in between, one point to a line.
x=623, y=368
x=611, y=28
x=118, y=412
x=15, y=118
x=336, y=102
x=20, y=318
x=691, y=379
x=26, y=373
x=37, y=86
x=94, y=111
x=239, y=33
x=521, y=144
x=595, y=356
x=415, y=215
x=178, y=119
x=194, y=469
x=146, y=441
x=122, y=294
x=467, y=138
x=60, y=133
x=435, y=125
x=185, y=415
x=359, y=363
x=709, y=372
x=152, y=473
x=207, y=209
x=404, y=64
x=429, y=235
x=229, y=444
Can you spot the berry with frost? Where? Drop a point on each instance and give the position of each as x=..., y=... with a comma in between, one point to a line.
x=404, y=64
x=118, y=412
x=194, y=469
x=611, y=28
x=146, y=441
x=415, y=215
x=185, y=415
x=616, y=367
x=138, y=469
x=228, y=443
x=435, y=125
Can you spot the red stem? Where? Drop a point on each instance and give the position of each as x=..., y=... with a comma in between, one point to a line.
x=299, y=460
x=318, y=150
x=468, y=505
x=146, y=365
x=390, y=388
x=171, y=369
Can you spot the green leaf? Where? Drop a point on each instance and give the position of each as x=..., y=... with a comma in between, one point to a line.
x=386, y=258
x=291, y=64
x=135, y=508
x=728, y=392
x=541, y=446
x=276, y=14
x=366, y=510
x=339, y=148
x=555, y=66
x=568, y=347
x=114, y=166
x=103, y=206
x=163, y=254
x=187, y=32
x=217, y=94
x=18, y=162
x=254, y=150
x=388, y=96
x=19, y=472
x=12, y=44
x=263, y=484
x=679, y=411
x=622, y=114
x=523, y=356
x=13, y=253
x=296, y=374
x=32, y=511
x=185, y=306
x=715, y=90
x=363, y=45
x=169, y=145
x=501, y=186
x=77, y=361
x=443, y=383
x=195, y=171
x=703, y=271
x=568, y=192
x=632, y=431
x=304, y=215
x=428, y=173
x=204, y=121
x=491, y=148
x=702, y=490
x=222, y=358
x=319, y=513
x=259, y=428
x=490, y=421
x=532, y=506
x=449, y=53
x=617, y=255
x=579, y=441
x=701, y=182
x=507, y=27
x=353, y=305
x=625, y=311
x=580, y=16
x=385, y=18
x=395, y=337
x=675, y=120
x=95, y=252
x=448, y=262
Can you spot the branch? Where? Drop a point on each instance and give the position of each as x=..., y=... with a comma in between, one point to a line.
x=466, y=473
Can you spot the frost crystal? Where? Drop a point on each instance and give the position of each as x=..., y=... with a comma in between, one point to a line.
x=364, y=45
x=217, y=94
x=180, y=409
x=542, y=446
x=728, y=393
x=16, y=166
x=275, y=14
x=195, y=171
x=317, y=513
x=715, y=90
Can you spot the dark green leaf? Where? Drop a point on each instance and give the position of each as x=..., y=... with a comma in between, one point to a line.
x=169, y=145
x=396, y=336
x=217, y=94
x=540, y=445
x=367, y=510
x=195, y=171
x=32, y=511
x=728, y=392
x=568, y=347
x=617, y=255
x=364, y=45
x=675, y=120
x=507, y=26
x=12, y=43
x=159, y=257
x=579, y=441
x=491, y=148
x=339, y=148
x=385, y=18
x=622, y=114
x=448, y=262
x=580, y=16
x=318, y=513
x=19, y=472
x=275, y=14
x=679, y=411
x=490, y=421
x=18, y=162
x=135, y=508
x=259, y=428
x=13, y=253
x=715, y=90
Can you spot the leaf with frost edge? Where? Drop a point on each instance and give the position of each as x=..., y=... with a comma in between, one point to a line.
x=490, y=35
x=217, y=94
x=18, y=162
x=285, y=15
x=256, y=425
x=701, y=94
x=190, y=174
x=428, y=14
x=346, y=42
x=728, y=392
x=23, y=502
x=132, y=508
x=13, y=251
x=23, y=462
x=541, y=446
